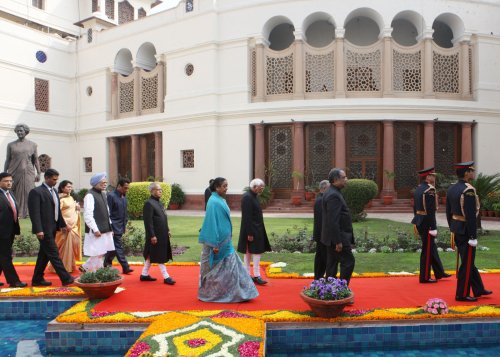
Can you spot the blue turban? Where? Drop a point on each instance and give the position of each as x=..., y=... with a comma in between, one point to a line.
x=94, y=180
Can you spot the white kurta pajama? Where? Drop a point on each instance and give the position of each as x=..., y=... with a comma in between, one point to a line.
x=94, y=247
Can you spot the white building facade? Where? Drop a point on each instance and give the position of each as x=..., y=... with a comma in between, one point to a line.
x=185, y=91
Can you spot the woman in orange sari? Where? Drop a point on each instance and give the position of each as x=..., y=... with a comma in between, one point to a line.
x=69, y=243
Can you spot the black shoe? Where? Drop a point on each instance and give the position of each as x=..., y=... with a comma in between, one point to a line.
x=466, y=298
x=68, y=282
x=443, y=276
x=429, y=281
x=82, y=269
x=484, y=292
x=18, y=284
x=168, y=281
x=41, y=283
x=258, y=280
x=147, y=278
x=128, y=271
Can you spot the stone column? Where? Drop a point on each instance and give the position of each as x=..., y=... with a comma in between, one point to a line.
x=158, y=154
x=259, y=153
x=464, y=66
x=388, y=159
x=115, y=97
x=340, y=152
x=137, y=90
x=427, y=76
x=466, y=142
x=136, y=158
x=339, y=63
x=113, y=160
x=298, y=155
x=428, y=144
x=387, y=63
x=260, y=60
x=298, y=67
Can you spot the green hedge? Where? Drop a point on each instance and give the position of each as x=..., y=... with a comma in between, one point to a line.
x=357, y=193
x=138, y=193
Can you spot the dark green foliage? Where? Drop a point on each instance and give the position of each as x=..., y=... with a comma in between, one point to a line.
x=81, y=194
x=25, y=245
x=138, y=193
x=297, y=241
x=133, y=240
x=102, y=275
x=177, y=195
x=357, y=193
x=486, y=185
x=264, y=198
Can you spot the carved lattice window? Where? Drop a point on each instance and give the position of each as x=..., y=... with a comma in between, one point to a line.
x=407, y=71
x=45, y=161
x=89, y=35
x=95, y=5
x=189, y=5
x=110, y=9
x=445, y=138
x=127, y=97
x=87, y=164
x=445, y=76
x=149, y=90
x=41, y=95
x=125, y=12
x=363, y=151
x=320, y=72
x=141, y=13
x=363, y=71
x=405, y=154
x=279, y=74
x=320, y=144
x=280, y=156
x=187, y=157
x=254, y=73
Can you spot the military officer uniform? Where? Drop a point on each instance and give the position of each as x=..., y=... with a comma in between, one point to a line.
x=424, y=210
x=462, y=207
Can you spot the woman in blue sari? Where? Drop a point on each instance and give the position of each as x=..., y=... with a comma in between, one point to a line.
x=223, y=277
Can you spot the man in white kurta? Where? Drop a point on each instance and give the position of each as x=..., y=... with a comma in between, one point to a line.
x=98, y=230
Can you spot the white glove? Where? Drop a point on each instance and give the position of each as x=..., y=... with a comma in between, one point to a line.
x=433, y=233
x=472, y=242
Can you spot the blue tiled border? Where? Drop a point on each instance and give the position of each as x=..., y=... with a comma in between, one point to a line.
x=380, y=337
x=34, y=309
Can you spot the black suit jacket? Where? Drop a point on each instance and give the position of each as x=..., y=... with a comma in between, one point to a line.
x=252, y=224
x=41, y=209
x=9, y=227
x=318, y=217
x=337, y=224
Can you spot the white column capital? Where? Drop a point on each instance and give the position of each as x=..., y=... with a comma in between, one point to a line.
x=340, y=32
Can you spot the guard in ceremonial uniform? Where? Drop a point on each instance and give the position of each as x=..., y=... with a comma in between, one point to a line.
x=424, y=209
x=462, y=207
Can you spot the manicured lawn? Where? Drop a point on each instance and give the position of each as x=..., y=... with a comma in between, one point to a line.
x=185, y=233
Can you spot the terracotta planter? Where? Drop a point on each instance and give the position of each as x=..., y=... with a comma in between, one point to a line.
x=497, y=213
x=326, y=308
x=387, y=200
x=174, y=206
x=309, y=196
x=98, y=290
x=296, y=200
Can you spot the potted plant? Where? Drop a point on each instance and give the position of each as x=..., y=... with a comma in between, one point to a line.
x=264, y=198
x=296, y=197
x=389, y=176
x=327, y=297
x=100, y=284
x=496, y=209
x=310, y=192
x=177, y=197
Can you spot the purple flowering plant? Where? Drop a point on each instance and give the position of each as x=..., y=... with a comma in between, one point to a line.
x=436, y=306
x=328, y=289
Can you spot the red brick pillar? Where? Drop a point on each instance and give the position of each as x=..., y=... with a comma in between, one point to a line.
x=136, y=158
x=428, y=144
x=388, y=159
x=113, y=161
x=298, y=154
x=466, y=142
x=340, y=155
x=158, y=155
x=259, y=152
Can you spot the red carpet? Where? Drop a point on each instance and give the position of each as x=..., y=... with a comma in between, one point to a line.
x=279, y=294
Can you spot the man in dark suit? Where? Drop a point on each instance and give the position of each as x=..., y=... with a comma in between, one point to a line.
x=9, y=221
x=253, y=239
x=336, y=230
x=462, y=207
x=46, y=218
x=320, y=256
x=424, y=210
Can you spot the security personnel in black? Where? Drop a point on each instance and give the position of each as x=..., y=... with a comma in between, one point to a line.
x=424, y=209
x=462, y=207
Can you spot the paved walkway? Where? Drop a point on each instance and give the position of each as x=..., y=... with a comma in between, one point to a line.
x=398, y=217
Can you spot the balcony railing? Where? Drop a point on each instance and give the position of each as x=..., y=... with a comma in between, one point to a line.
x=341, y=69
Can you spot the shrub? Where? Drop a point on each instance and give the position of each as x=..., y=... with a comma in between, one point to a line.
x=264, y=198
x=81, y=194
x=101, y=275
x=299, y=241
x=25, y=246
x=357, y=193
x=133, y=240
x=177, y=195
x=138, y=193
